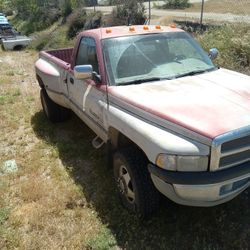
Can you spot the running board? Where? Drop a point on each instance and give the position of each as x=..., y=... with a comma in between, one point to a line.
x=97, y=142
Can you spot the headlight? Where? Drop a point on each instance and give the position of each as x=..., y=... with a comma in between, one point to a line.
x=182, y=163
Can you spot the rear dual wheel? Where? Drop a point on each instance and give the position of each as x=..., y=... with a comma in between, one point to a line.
x=53, y=111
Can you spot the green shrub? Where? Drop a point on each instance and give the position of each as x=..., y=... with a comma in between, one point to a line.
x=80, y=20
x=93, y=21
x=131, y=12
x=76, y=22
x=8, y=12
x=66, y=8
x=232, y=41
x=176, y=4
x=53, y=38
x=37, y=21
x=41, y=41
x=39, y=15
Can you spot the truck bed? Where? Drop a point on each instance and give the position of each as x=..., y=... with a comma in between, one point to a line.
x=62, y=54
x=15, y=42
x=61, y=57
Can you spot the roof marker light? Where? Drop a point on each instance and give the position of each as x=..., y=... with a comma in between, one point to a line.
x=132, y=29
x=158, y=27
x=145, y=27
x=108, y=31
x=173, y=25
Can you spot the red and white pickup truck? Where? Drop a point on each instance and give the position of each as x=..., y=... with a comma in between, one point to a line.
x=174, y=122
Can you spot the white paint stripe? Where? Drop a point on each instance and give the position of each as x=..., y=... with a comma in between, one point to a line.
x=85, y=97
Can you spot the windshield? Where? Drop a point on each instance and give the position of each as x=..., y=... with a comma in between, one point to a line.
x=155, y=56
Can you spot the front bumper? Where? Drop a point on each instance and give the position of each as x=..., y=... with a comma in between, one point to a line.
x=201, y=188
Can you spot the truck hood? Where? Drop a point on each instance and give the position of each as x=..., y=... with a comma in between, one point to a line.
x=209, y=104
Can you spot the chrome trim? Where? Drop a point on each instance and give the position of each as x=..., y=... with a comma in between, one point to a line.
x=219, y=140
x=215, y=157
x=83, y=72
x=231, y=135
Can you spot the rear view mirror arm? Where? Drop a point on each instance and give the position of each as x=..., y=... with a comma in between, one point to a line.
x=96, y=77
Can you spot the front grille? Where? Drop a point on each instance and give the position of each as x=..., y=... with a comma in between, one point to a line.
x=235, y=152
x=236, y=144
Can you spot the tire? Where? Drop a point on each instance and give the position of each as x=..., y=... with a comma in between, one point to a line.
x=18, y=47
x=54, y=112
x=108, y=152
x=134, y=183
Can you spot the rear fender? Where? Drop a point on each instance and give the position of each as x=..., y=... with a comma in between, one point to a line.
x=48, y=74
x=50, y=79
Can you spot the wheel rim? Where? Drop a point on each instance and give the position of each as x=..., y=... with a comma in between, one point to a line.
x=125, y=184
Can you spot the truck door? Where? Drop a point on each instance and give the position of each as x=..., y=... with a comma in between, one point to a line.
x=88, y=99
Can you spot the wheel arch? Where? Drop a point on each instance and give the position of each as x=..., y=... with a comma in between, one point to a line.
x=40, y=81
x=118, y=141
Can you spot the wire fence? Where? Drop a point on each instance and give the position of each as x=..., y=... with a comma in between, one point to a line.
x=200, y=11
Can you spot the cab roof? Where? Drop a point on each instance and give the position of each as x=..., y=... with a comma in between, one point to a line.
x=120, y=31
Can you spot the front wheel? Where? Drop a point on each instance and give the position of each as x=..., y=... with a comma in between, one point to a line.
x=135, y=186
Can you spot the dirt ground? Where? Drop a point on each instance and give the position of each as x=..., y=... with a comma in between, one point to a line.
x=62, y=195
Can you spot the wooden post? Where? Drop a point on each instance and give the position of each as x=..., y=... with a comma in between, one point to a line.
x=149, y=11
x=202, y=12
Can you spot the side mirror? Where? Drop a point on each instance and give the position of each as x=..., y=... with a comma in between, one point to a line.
x=83, y=72
x=213, y=53
x=97, y=78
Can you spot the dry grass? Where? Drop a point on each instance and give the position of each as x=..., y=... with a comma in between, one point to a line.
x=241, y=7
x=43, y=207
x=168, y=20
x=63, y=197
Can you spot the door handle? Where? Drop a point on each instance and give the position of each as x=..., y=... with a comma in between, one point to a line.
x=71, y=80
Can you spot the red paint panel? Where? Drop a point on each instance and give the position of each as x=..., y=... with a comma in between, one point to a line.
x=209, y=104
x=56, y=60
x=62, y=54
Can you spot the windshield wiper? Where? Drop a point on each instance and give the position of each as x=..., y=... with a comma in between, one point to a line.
x=143, y=80
x=195, y=72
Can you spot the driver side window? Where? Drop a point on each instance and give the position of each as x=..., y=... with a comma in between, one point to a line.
x=87, y=53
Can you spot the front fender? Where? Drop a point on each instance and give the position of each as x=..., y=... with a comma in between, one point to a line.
x=153, y=139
